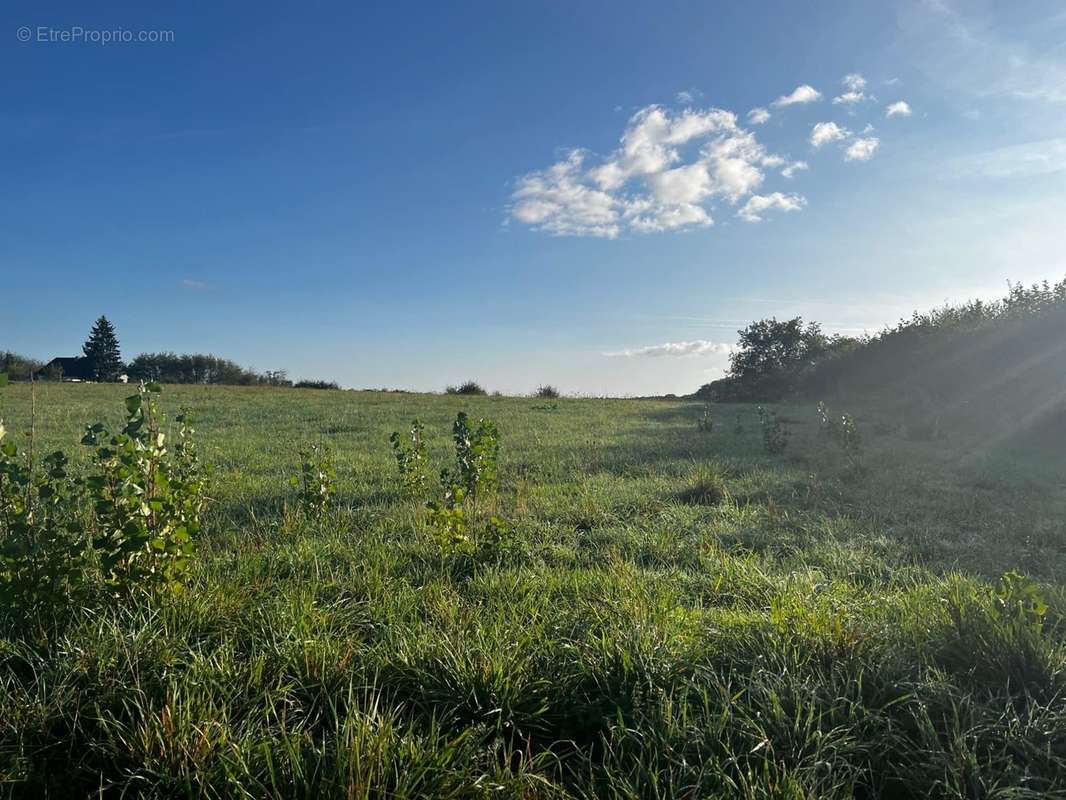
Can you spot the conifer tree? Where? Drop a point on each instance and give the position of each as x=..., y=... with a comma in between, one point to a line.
x=102, y=350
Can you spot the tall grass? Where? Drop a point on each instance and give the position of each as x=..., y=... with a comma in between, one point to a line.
x=803, y=634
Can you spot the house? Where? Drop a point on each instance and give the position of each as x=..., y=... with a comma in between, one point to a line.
x=78, y=368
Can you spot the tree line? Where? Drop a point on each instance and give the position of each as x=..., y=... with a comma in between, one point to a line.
x=103, y=363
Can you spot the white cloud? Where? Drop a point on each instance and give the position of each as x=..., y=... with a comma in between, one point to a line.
x=557, y=201
x=699, y=347
x=855, y=85
x=801, y=94
x=861, y=149
x=758, y=204
x=196, y=286
x=898, y=109
x=824, y=132
x=667, y=173
x=757, y=116
x=674, y=170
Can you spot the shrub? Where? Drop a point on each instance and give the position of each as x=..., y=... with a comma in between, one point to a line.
x=774, y=434
x=43, y=564
x=842, y=431
x=3, y=379
x=705, y=423
x=411, y=458
x=547, y=392
x=317, y=480
x=316, y=385
x=147, y=500
x=447, y=519
x=476, y=453
x=469, y=387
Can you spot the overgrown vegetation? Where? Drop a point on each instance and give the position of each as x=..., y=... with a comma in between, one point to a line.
x=634, y=610
x=988, y=369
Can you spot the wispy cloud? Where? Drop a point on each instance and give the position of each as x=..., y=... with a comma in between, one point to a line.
x=757, y=116
x=699, y=347
x=195, y=286
x=796, y=166
x=898, y=109
x=1044, y=157
x=801, y=94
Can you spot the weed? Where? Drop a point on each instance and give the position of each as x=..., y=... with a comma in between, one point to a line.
x=411, y=458
x=705, y=423
x=447, y=520
x=774, y=433
x=317, y=480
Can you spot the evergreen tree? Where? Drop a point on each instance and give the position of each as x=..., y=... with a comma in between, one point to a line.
x=101, y=348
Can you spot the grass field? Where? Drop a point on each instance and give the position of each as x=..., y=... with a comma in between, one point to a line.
x=814, y=631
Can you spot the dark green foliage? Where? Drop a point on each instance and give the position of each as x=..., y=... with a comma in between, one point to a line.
x=102, y=350
x=469, y=387
x=411, y=458
x=147, y=499
x=316, y=385
x=316, y=483
x=200, y=368
x=547, y=392
x=3, y=379
x=16, y=367
x=42, y=543
x=774, y=433
x=770, y=359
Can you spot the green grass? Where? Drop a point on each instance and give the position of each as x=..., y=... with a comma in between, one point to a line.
x=676, y=615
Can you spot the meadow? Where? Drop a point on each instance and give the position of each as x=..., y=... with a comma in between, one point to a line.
x=671, y=612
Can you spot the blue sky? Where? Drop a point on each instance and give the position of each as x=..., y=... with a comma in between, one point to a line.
x=410, y=195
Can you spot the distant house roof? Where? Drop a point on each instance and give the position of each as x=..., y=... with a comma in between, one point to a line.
x=74, y=367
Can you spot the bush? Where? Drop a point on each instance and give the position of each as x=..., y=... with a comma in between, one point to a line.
x=469, y=387
x=547, y=392
x=43, y=551
x=3, y=379
x=148, y=500
x=774, y=433
x=316, y=385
